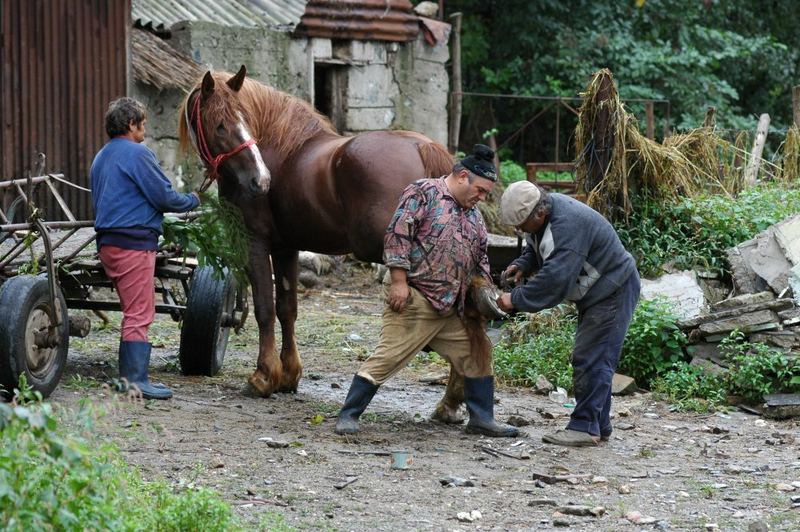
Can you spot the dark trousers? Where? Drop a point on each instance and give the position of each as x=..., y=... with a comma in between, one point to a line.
x=598, y=343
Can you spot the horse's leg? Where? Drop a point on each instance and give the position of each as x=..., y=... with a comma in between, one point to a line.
x=266, y=379
x=286, y=270
x=447, y=410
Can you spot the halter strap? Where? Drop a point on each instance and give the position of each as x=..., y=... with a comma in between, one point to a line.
x=199, y=140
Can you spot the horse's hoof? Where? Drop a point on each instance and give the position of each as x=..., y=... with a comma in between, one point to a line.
x=260, y=385
x=447, y=414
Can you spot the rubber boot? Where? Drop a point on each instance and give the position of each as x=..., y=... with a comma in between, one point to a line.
x=134, y=359
x=358, y=397
x=153, y=384
x=479, y=396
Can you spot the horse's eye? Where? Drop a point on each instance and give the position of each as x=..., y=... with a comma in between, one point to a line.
x=221, y=129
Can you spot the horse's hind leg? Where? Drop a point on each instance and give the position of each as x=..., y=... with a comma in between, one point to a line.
x=286, y=271
x=447, y=410
x=266, y=379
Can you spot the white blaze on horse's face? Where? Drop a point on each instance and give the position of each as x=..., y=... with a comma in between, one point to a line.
x=261, y=181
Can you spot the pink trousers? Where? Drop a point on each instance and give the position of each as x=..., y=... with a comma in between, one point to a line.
x=132, y=272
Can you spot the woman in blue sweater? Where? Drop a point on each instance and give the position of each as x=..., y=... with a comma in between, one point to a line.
x=130, y=195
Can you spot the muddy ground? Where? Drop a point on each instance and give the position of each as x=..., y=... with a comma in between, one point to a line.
x=277, y=460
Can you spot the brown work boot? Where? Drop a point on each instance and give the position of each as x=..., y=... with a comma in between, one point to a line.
x=571, y=438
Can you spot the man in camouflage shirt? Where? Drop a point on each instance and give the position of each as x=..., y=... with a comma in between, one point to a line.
x=433, y=246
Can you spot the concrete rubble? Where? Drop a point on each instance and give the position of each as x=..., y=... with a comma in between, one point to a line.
x=765, y=275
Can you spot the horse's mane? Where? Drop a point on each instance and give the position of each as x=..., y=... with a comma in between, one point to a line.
x=283, y=121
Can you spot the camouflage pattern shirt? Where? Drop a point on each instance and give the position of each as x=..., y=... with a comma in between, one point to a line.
x=439, y=243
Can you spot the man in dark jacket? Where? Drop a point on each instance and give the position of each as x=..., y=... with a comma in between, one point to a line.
x=130, y=193
x=577, y=256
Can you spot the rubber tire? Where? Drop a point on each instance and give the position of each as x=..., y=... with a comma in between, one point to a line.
x=203, y=337
x=24, y=298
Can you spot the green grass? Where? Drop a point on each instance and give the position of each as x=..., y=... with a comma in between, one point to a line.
x=52, y=478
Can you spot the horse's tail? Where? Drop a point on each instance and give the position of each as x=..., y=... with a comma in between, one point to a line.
x=475, y=324
x=436, y=160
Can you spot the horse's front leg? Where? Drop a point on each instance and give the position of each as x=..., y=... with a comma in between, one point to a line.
x=267, y=377
x=286, y=271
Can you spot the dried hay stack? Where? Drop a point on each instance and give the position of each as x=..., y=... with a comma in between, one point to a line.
x=615, y=159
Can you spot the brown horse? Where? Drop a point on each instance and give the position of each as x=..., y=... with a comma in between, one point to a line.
x=300, y=186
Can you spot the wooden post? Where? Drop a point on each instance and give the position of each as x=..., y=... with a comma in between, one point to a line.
x=558, y=127
x=457, y=97
x=751, y=172
x=710, y=119
x=651, y=120
x=796, y=105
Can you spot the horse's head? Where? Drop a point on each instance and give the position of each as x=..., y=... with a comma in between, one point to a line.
x=215, y=121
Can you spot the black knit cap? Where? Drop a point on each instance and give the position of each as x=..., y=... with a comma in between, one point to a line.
x=481, y=162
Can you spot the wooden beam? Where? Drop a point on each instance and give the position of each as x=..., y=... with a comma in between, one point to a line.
x=650, y=120
x=796, y=105
x=457, y=97
x=751, y=172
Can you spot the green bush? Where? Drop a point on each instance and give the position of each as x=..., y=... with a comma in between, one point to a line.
x=697, y=232
x=511, y=172
x=53, y=480
x=691, y=388
x=537, y=346
x=654, y=343
x=757, y=369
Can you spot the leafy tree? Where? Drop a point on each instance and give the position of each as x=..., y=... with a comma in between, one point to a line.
x=740, y=56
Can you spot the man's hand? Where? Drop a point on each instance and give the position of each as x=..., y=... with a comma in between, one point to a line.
x=398, y=296
x=197, y=195
x=504, y=302
x=511, y=277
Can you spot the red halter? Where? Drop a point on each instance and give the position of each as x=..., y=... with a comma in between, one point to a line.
x=212, y=162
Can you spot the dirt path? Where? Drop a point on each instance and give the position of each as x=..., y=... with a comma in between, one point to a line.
x=280, y=455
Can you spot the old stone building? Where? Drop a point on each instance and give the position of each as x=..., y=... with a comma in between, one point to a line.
x=373, y=65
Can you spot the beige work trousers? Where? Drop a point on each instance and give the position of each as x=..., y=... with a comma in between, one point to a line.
x=404, y=334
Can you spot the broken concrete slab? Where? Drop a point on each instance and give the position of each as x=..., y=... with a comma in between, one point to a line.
x=681, y=289
x=743, y=300
x=745, y=279
x=708, y=366
x=768, y=261
x=794, y=282
x=787, y=235
x=708, y=351
x=782, y=405
x=775, y=305
x=784, y=339
x=749, y=322
x=622, y=385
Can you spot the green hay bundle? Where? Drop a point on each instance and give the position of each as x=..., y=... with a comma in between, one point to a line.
x=218, y=237
x=683, y=166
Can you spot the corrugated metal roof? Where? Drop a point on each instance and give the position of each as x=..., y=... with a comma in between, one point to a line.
x=374, y=20
x=158, y=64
x=246, y=13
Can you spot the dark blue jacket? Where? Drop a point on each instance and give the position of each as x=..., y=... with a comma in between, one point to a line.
x=130, y=193
x=576, y=255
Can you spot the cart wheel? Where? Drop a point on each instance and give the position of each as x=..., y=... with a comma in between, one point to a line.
x=27, y=345
x=207, y=322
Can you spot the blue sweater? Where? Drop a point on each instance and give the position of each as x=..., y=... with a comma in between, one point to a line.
x=130, y=195
x=576, y=255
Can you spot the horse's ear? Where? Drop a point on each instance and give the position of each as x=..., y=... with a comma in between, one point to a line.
x=235, y=83
x=208, y=84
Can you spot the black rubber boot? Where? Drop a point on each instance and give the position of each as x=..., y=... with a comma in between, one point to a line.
x=358, y=397
x=479, y=396
x=134, y=359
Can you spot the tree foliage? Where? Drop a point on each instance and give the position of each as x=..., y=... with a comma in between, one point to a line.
x=739, y=56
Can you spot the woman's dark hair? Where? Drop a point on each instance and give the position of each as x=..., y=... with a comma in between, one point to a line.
x=121, y=113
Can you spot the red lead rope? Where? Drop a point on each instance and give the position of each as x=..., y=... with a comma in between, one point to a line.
x=212, y=162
